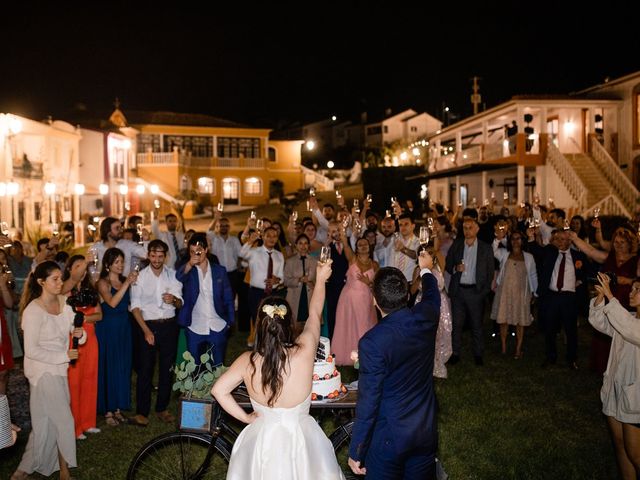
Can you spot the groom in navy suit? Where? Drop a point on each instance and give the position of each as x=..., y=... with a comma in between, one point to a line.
x=395, y=434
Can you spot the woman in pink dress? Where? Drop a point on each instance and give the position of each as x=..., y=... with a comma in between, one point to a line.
x=355, y=314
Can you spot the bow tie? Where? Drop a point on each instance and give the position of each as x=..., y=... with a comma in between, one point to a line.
x=502, y=245
x=303, y=257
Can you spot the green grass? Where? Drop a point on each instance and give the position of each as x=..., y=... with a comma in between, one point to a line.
x=507, y=420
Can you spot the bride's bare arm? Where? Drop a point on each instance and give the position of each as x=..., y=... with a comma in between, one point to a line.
x=227, y=383
x=311, y=332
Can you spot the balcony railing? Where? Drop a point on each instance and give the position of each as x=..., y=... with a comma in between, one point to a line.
x=188, y=160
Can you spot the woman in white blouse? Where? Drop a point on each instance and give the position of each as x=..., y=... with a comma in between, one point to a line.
x=620, y=393
x=47, y=321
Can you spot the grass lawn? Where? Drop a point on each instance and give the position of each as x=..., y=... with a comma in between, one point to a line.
x=507, y=420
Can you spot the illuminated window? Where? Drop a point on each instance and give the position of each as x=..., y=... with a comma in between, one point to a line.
x=253, y=186
x=206, y=185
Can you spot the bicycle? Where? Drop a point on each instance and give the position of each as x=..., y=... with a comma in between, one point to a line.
x=203, y=451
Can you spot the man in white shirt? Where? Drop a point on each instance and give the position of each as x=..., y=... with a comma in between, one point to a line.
x=172, y=237
x=266, y=266
x=322, y=218
x=111, y=236
x=154, y=298
x=208, y=310
x=226, y=248
x=406, y=246
x=384, y=249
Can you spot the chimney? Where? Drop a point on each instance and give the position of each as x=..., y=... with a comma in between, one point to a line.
x=387, y=112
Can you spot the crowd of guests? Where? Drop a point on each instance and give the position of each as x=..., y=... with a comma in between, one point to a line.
x=166, y=291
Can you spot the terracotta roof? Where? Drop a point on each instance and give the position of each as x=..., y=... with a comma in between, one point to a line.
x=139, y=117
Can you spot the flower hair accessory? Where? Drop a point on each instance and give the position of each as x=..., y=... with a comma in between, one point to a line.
x=273, y=310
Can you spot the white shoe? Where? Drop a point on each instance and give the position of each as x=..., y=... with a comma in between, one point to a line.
x=82, y=436
x=92, y=430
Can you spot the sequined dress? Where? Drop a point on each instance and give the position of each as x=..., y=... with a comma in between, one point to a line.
x=443, y=334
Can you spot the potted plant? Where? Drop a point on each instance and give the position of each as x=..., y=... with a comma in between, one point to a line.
x=194, y=381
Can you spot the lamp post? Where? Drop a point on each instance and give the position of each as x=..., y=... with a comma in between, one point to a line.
x=50, y=190
x=12, y=190
x=124, y=190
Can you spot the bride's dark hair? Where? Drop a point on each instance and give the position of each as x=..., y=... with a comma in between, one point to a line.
x=275, y=335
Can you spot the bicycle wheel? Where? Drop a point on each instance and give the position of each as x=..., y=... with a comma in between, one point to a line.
x=181, y=456
x=340, y=439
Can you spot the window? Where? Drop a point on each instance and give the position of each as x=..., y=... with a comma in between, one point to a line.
x=386, y=129
x=206, y=185
x=198, y=146
x=148, y=143
x=233, y=147
x=552, y=129
x=37, y=211
x=253, y=186
x=414, y=129
x=636, y=115
x=230, y=190
x=273, y=154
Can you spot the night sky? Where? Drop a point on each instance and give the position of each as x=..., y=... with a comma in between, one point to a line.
x=271, y=65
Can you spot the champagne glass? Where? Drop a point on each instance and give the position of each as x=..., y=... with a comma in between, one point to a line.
x=259, y=226
x=425, y=235
x=596, y=212
x=4, y=229
x=493, y=195
x=309, y=206
x=338, y=196
x=345, y=221
x=369, y=198
x=505, y=196
x=356, y=205
x=312, y=192
x=387, y=213
x=393, y=201
x=139, y=227
x=325, y=254
x=220, y=206
x=536, y=222
x=485, y=202
x=55, y=229
x=294, y=216
x=252, y=215
x=531, y=222
x=430, y=223
x=156, y=204
x=567, y=225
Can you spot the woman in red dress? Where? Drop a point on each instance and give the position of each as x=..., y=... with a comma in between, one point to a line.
x=83, y=375
x=620, y=257
x=6, y=351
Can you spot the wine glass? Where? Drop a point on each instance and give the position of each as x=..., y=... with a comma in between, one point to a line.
x=325, y=254
x=425, y=235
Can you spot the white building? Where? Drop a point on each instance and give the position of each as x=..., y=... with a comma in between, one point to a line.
x=582, y=149
x=406, y=126
x=39, y=167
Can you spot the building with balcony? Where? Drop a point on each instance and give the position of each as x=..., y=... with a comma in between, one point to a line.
x=581, y=149
x=39, y=172
x=219, y=160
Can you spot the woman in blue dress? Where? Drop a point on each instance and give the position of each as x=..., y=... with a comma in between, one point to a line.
x=114, y=338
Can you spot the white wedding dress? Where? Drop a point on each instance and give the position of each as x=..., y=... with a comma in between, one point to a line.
x=283, y=444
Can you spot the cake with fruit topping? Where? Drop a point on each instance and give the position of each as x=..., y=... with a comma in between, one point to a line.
x=327, y=383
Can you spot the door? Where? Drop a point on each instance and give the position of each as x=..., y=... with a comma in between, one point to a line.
x=231, y=190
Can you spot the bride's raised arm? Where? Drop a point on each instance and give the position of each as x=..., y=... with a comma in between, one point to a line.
x=311, y=332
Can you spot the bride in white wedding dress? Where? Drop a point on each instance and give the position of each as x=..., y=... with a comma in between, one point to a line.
x=282, y=441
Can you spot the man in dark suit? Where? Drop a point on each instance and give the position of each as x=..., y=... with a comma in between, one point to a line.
x=208, y=311
x=395, y=433
x=338, y=276
x=562, y=270
x=471, y=265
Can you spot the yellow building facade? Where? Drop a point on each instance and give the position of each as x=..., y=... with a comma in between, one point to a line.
x=232, y=164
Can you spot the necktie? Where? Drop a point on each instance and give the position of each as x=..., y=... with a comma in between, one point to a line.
x=304, y=270
x=560, y=282
x=268, y=288
x=175, y=242
x=338, y=248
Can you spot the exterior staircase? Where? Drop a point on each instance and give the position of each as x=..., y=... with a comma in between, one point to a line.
x=606, y=185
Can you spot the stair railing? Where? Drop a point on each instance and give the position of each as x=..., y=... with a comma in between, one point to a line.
x=609, y=205
x=621, y=184
x=567, y=175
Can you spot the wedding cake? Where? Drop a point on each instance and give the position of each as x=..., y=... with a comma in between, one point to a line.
x=327, y=382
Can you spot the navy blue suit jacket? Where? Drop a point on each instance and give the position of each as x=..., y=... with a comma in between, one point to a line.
x=396, y=401
x=547, y=256
x=222, y=293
